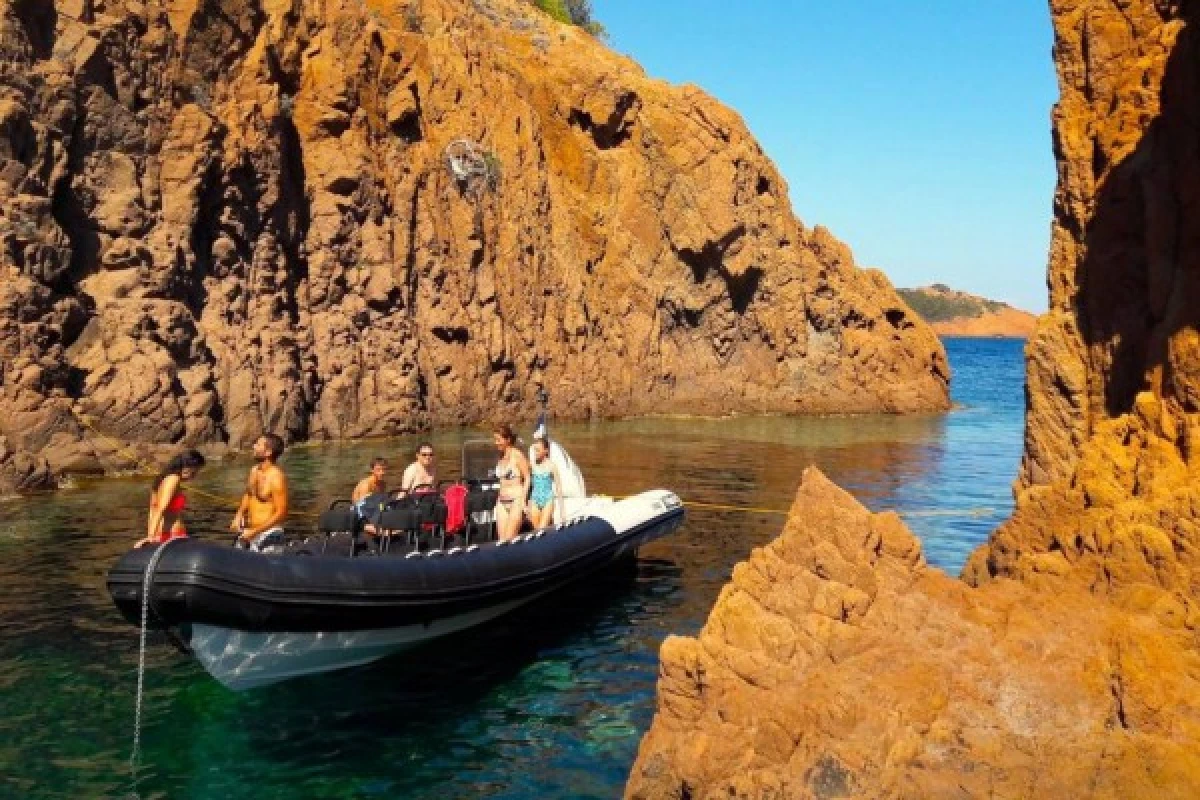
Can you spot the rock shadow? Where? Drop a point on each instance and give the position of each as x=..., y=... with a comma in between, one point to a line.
x=1138, y=283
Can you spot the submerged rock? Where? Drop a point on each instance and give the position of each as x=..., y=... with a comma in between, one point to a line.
x=837, y=664
x=337, y=219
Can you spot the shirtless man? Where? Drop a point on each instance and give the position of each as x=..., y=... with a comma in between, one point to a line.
x=265, y=504
x=372, y=484
x=421, y=472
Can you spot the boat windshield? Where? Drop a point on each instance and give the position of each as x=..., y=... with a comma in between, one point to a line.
x=478, y=460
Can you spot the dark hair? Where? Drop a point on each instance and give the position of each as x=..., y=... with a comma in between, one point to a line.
x=505, y=431
x=274, y=444
x=188, y=459
x=542, y=440
x=378, y=462
x=422, y=446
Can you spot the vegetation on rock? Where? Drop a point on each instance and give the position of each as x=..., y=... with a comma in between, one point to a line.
x=573, y=12
x=955, y=313
x=939, y=303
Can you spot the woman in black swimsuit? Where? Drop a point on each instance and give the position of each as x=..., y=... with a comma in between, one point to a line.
x=512, y=470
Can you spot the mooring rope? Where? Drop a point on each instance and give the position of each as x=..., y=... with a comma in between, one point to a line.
x=981, y=511
x=147, y=580
x=938, y=512
x=230, y=502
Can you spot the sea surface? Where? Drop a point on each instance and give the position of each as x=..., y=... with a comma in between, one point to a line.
x=549, y=702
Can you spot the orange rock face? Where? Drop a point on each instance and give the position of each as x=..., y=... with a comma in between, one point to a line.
x=837, y=664
x=1067, y=662
x=221, y=216
x=1108, y=495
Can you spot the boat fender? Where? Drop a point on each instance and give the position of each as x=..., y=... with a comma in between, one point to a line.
x=433, y=553
x=472, y=548
x=453, y=551
x=413, y=554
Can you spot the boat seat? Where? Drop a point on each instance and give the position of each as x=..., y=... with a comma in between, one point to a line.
x=432, y=513
x=481, y=506
x=398, y=521
x=421, y=518
x=338, y=519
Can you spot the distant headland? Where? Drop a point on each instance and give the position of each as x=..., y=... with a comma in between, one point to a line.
x=955, y=313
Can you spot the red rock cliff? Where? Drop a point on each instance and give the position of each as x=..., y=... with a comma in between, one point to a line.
x=224, y=215
x=836, y=664
x=1108, y=493
x=1068, y=663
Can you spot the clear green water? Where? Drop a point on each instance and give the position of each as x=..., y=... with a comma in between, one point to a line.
x=549, y=702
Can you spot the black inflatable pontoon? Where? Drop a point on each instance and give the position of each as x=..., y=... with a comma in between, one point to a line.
x=252, y=619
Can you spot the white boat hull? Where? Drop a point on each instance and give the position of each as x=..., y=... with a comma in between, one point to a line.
x=244, y=660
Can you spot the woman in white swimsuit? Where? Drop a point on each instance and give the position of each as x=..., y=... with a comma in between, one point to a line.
x=512, y=470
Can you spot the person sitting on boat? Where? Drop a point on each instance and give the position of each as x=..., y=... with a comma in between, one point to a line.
x=370, y=495
x=422, y=472
x=167, y=500
x=512, y=470
x=545, y=487
x=264, y=506
x=374, y=483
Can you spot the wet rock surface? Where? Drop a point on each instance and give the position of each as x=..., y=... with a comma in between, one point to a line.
x=222, y=216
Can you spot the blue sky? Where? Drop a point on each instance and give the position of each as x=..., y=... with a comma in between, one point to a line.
x=917, y=131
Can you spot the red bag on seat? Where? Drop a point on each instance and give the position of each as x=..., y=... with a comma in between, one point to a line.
x=456, y=507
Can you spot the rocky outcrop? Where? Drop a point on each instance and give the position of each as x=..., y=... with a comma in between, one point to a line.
x=837, y=664
x=1067, y=662
x=954, y=313
x=222, y=216
x=1108, y=495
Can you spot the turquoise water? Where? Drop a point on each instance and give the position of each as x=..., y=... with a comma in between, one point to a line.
x=549, y=702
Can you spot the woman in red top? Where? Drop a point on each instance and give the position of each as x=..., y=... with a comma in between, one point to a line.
x=167, y=501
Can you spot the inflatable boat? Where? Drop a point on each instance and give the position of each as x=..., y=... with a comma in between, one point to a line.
x=340, y=598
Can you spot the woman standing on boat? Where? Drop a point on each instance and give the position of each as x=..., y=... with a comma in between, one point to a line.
x=167, y=500
x=512, y=470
